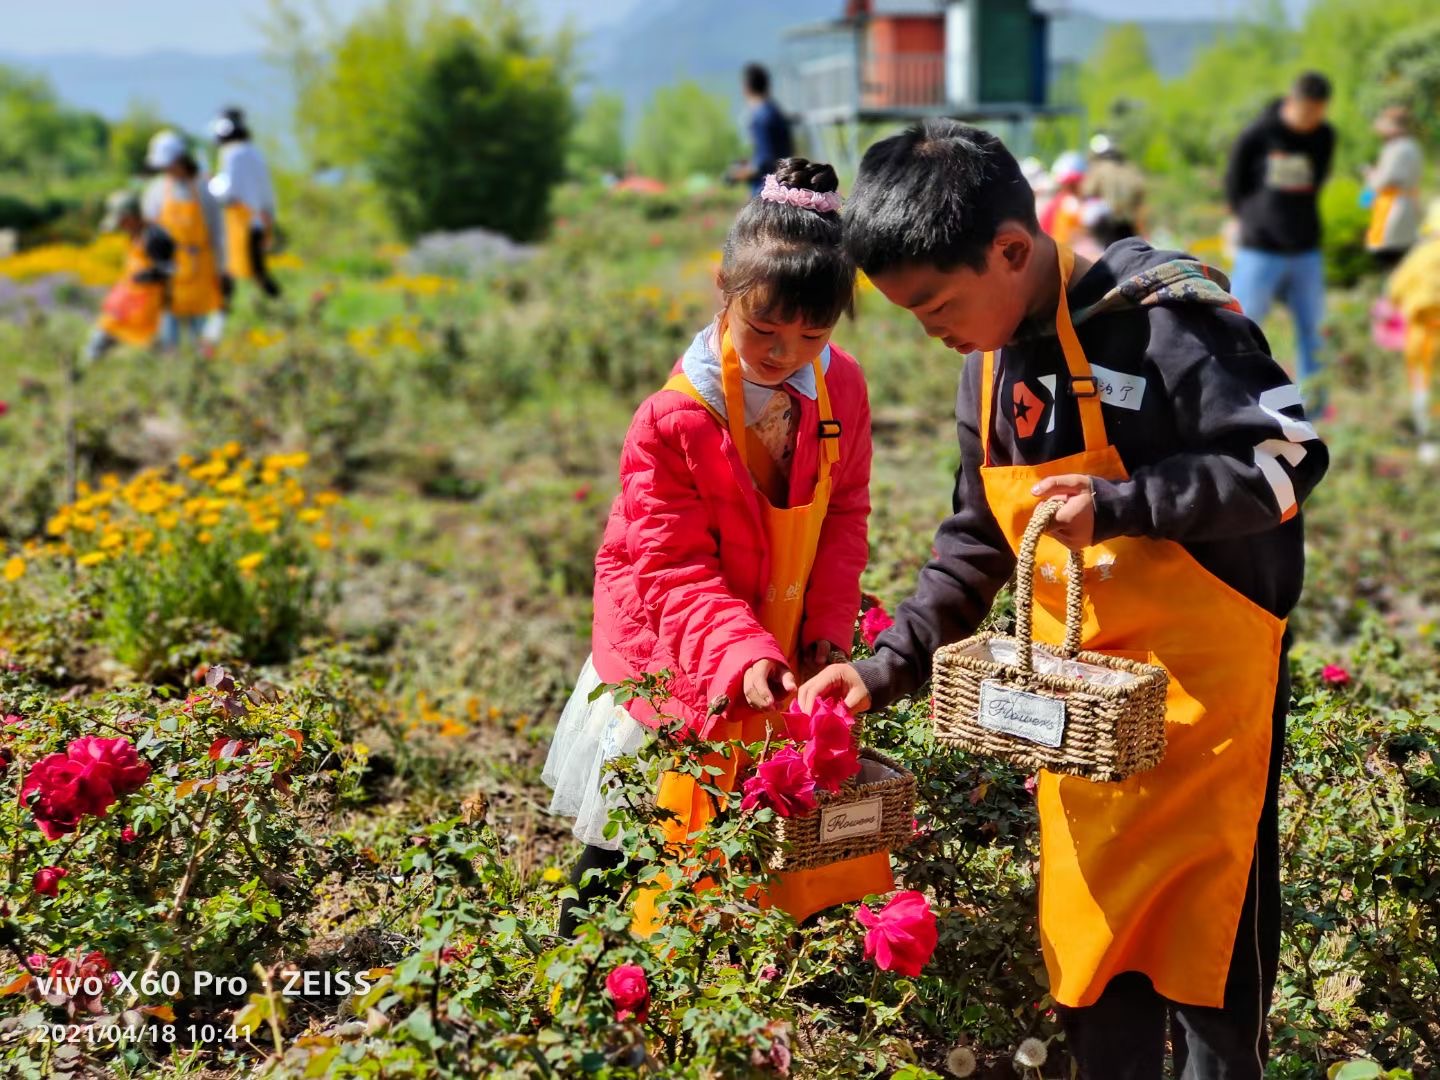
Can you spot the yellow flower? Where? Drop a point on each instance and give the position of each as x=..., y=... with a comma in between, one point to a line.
x=231, y=449
x=249, y=562
x=203, y=537
x=112, y=540
x=57, y=525
x=231, y=485
x=326, y=498
x=211, y=470
x=14, y=568
x=209, y=520
x=185, y=460
x=167, y=520
x=311, y=516
x=151, y=502
x=452, y=727
x=553, y=875
x=95, y=558
x=323, y=541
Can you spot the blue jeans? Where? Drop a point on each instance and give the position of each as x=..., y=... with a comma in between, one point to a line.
x=1298, y=281
x=200, y=328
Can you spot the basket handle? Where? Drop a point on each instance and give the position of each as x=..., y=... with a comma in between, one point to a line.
x=1025, y=588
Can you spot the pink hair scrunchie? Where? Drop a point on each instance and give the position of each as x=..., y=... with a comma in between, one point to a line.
x=822, y=202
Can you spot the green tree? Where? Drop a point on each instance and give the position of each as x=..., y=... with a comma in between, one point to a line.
x=598, y=143
x=129, y=138
x=459, y=117
x=41, y=137
x=1406, y=71
x=686, y=130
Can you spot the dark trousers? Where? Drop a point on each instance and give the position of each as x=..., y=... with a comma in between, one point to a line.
x=591, y=858
x=257, y=263
x=1122, y=1036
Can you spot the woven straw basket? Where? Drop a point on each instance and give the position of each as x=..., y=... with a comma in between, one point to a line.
x=873, y=811
x=1040, y=707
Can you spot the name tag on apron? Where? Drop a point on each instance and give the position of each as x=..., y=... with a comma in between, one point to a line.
x=851, y=819
x=1031, y=717
x=1117, y=388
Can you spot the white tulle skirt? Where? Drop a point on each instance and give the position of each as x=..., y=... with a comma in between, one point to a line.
x=589, y=734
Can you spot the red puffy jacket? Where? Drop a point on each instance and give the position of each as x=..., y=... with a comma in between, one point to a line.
x=684, y=562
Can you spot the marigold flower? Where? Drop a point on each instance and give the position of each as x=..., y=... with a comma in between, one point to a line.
x=250, y=561
x=94, y=558
x=14, y=568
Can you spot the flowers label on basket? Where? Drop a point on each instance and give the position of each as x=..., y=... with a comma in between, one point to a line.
x=851, y=819
x=1032, y=717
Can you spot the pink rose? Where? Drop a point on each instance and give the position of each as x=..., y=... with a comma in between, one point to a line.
x=1335, y=675
x=127, y=771
x=783, y=783
x=827, y=742
x=47, y=879
x=628, y=988
x=873, y=623
x=902, y=936
x=1032, y=782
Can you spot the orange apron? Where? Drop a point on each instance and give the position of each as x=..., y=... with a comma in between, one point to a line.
x=195, y=285
x=1146, y=874
x=130, y=311
x=1380, y=214
x=237, y=241
x=793, y=535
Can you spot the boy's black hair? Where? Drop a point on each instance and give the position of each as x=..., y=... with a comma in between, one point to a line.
x=790, y=261
x=934, y=195
x=1312, y=86
x=757, y=79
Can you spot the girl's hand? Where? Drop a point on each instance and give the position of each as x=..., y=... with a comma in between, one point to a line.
x=761, y=679
x=836, y=681
x=1074, y=524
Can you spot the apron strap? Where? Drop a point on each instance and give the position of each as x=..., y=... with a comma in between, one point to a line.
x=681, y=383
x=1082, y=381
x=1087, y=392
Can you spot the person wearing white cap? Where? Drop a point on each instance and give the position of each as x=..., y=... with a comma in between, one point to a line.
x=242, y=184
x=178, y=201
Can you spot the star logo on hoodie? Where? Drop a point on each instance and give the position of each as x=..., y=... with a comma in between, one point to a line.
x=1031, y=407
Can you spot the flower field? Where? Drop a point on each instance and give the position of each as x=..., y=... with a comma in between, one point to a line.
x=278, y=674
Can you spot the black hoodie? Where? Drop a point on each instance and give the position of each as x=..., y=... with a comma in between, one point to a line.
x=1274, y=180
x=1210, y=429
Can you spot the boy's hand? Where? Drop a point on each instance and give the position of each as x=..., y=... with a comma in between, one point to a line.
x=836, y=681
x=760, y=680
x=1074, y=524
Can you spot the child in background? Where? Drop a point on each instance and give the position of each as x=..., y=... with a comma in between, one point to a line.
x=1182, y=463
x=1414, y=290
x=733, y=552
x=131, y=310
x=180, y=203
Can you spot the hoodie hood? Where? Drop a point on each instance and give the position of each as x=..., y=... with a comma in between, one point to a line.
x=1131, y=274
x=701, y=365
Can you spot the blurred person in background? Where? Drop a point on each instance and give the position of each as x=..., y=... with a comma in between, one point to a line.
x=770, y=135
x=130, y=312
x=1393, y=185
x=242, y=185
x=1118, y=185
x=179, y=202
x=1413, y=292
x=1060, y=216
x=1273, y=182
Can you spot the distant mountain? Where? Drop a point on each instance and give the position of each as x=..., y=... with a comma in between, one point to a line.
x=1173, y=43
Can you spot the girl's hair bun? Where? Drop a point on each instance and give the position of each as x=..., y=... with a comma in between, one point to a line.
x=798, y=172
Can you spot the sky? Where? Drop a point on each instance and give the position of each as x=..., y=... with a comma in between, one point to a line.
x=127, y=27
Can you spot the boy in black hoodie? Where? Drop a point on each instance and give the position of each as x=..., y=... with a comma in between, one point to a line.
x=1133, y=390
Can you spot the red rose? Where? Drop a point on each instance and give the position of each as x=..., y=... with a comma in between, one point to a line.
x=127, y=771
x=1335, y=675
x=827, y=742
x=47, y=879
x=65, y=790
x=874, y=623
x=902, y=936
x=783, y=783
x=627, y=987
x=128, y=835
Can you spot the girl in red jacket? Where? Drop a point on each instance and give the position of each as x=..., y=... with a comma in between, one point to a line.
x=733, y=552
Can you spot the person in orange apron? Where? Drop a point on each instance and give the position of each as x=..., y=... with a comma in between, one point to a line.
x=1393, y=184
x=130, y=312
x=242, y=185
x=1133, y=389
x=732, y=556
x=178, y=201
